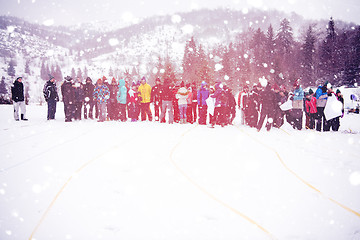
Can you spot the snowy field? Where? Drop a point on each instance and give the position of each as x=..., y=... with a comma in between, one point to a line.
x=114, y=180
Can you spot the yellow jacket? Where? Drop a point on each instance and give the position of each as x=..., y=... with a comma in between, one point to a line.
x=145, y=93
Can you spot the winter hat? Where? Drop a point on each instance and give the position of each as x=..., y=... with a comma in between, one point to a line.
x=18, y=78
x=67, y=78
x=143, y=79
x=297, y=83
x=88, y=79
x=157, y=80
x=50, y=77
x=311, y=91
x=338, y=91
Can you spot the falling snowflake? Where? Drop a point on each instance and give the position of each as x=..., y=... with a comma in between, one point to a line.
x=218, y=67
x=113, y=42
x=187, y=29
x=48, y=22
x=176, y=19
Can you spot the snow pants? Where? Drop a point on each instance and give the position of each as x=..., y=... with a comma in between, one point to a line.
x=145, y=111
x=122, y=112
x=182, y=111
x=51, y=109
x=157, y=106
x=68, y=111
x=167, y=106
x=102, y=111
x=22, y=107
x=202, y=114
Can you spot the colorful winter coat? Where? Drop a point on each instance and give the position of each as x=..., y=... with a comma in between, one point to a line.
x=17, y=92
x=50, y=91
x=202, y=94
x=101, y=94
x=133, y=97
x=182, y=96
x=122, y=92
x=298, y=98
x=145, y=93
x=321, y=96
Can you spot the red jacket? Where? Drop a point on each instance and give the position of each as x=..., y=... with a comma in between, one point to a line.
x=310, y=105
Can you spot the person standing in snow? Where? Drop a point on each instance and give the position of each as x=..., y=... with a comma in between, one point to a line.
x=101, y=96
x=243, y=105
x=220, y=103
x=88, y=98
x=310, y=109
x=297, y=105
x=335, y=122
x=17, y=95
x=194, y=102
x=113, y=104
x=278, y=113
x=122, y=100
x=145, y=94
x=182, y=96
x=202, y=95
x=51, y=97
x=321, y=99
x=267, y=99
x=167, y=97
x=156, y=98
x=189, y=116
x=78, y=98
x=230, y=106
x=254, y=105
x=68, y=95
x=134, y=103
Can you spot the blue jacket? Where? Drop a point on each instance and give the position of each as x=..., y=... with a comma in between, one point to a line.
x=122, y=93
x=298, y=94
x=202, y=94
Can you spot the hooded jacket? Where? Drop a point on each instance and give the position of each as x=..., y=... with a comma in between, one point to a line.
x=203, y=94
x=122, y=93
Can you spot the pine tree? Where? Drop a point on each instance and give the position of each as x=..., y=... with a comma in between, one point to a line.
x=328, y=52
x=3, y=89
x=11, y=69
x=86, y=74
x=169, y=73
x=73, y=73
x=308, y=51
x=190, y=61
x=111, y=72
x=284, y=37
x=79, y=74
x=58, y=74
x=27, y=67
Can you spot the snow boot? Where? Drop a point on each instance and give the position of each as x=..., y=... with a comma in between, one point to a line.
x=23, y=118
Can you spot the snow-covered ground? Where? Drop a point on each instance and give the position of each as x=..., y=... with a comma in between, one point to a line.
x=114, y=180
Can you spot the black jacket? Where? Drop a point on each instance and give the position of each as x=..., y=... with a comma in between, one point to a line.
x=17, y=92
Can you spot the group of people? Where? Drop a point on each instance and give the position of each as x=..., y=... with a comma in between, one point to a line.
x=120, y=100
x=277, y=105
x=185, y=103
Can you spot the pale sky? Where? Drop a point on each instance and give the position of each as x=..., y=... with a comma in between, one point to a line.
x=70, y=12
